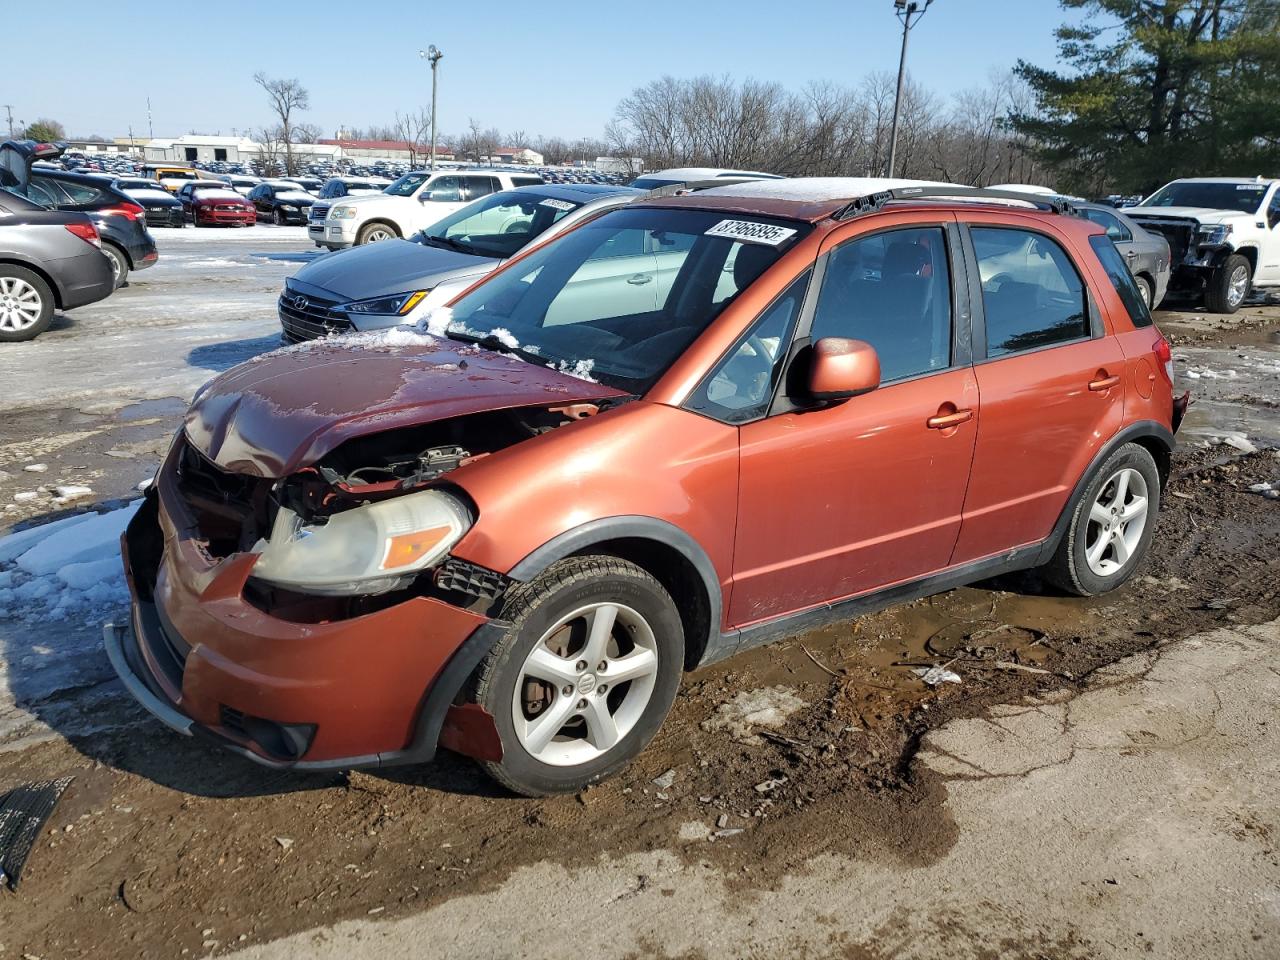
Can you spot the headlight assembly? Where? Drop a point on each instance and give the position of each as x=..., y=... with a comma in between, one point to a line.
x=1212, y=233
x=397, y=304
x=367, y=550
x=342, y=213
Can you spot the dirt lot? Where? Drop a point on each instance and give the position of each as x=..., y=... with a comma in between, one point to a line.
x=783, y=758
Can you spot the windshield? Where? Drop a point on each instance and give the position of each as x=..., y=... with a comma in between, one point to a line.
x=1244, y=197
x=651, y=183
x=406, y=185
x=177, y=175
x=498, y=225
x=619, y=299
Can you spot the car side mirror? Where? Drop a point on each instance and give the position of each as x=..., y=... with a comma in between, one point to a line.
x=843, y=368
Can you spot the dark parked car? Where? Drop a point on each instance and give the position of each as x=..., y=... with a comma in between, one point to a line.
x=281, y=202
x=163, y=210
x=336, y=187
x=48, y=260
x=214, y=203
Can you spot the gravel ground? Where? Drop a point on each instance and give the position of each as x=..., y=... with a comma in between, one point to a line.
x=1117, y=798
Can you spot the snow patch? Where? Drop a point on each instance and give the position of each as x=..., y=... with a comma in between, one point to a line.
x=581, y=369
x=436, y=321
x=64, y=569
x=749, y=711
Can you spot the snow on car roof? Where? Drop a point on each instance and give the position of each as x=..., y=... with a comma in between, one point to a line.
x=818, y=189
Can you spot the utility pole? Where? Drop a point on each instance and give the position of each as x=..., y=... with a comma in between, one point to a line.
x=433, y=56
x=909, y=12
x=151, y=131
x=9, y=109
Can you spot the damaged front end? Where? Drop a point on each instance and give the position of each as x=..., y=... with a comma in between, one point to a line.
x=316, y=620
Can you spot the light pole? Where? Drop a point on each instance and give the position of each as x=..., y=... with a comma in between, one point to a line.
x=909, y=12
x=433, y=56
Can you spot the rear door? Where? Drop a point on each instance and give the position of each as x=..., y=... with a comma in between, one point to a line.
x=1050, y=377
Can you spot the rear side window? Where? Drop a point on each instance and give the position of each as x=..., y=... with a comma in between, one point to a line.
x=480, y=186
x=81, y=193
x=892, y=290
x=526, y=181
x=1122, y=280
x=1032, y=296
x=1115, y=229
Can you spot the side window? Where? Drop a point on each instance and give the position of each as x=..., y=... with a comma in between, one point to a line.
x=1116, y=230
x=1122, y=279
x=624, y=243
x=892, y=290
x=1032, y=295
x=45, y=192
x=741, y=385
x=445, y=190
x=80, y=193
x=478, y=187
x=1273, y=211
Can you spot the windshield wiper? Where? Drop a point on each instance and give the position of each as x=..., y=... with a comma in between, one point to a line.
x=448, y=243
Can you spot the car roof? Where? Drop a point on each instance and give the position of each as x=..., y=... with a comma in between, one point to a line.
x=704, y=173
x=799, y=198
x=1254, y=180
x=579, y=192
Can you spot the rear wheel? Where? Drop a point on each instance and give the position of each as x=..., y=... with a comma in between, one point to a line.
x=26, y=304
x=585, y=676
x=1111, y=527
x=119, y=264
x=375, y=232
x=1144, y=288
x=1229, y=285
x=278, y=217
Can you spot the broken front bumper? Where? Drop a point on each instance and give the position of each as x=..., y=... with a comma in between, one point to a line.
x=371, y=690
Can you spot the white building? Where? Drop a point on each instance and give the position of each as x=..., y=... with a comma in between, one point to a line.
x=196, y=147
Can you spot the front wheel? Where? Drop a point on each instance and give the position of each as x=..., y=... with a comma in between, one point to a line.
x=1111, y=526
x=376, y=232
x=278, y=217
x=585, y=676
x=1229, y=285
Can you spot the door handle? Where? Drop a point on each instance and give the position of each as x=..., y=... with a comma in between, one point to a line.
x=944, y=421
x=640, y=279
x=1103, y=383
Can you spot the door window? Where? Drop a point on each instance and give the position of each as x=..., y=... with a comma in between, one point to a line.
x=1116, y=230
x=892, y=290
x=741, y=385
x=1273, y=211
x=1032, y=295
x=445, y=190
x=478, y=187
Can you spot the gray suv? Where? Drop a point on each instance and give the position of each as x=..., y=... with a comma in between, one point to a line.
x=48, y=260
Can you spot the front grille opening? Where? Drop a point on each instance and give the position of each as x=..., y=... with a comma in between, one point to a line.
x=231, y=510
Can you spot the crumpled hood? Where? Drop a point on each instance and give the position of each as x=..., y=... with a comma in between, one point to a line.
x=284, y=410
x=1202, y=214
x=392, y=266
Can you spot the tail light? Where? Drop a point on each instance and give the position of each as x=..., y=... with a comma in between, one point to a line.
x=130, y=211
x=86, y=232
x=1165, y=356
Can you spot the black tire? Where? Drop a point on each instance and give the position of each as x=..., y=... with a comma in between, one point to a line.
x=119, y=263
x=1222, y=295
x=1069, y=569
x=532, y=609
x=43, y=291
x=278, y=217
x=363, y=236
x=1145, y=288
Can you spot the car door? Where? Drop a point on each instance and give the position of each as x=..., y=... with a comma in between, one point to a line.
x=1051, y=380
x=437, y=198
x=619, y=279
x=1268, y=272
x=847, y=498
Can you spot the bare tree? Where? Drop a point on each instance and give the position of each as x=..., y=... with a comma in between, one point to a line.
x=413, y=128
x=306, y=133
x=270, y=142
x=286, y=97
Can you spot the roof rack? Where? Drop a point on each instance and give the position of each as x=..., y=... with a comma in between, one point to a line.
x=873, y=202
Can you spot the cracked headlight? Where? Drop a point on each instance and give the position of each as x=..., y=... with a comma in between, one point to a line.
x=1212, y=233
x=368, y=550
x=397, y=304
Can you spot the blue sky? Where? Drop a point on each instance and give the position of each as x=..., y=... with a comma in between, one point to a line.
x=555, y=68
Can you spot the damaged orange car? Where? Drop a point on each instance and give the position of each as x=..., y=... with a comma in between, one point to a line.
x=687, y=427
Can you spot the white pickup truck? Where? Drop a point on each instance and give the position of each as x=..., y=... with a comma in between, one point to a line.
x=415, y=201
x=1223, y=233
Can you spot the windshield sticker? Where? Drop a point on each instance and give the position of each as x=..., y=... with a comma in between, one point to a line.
x=556, y=204
x=749, y=232
x=1249, y=186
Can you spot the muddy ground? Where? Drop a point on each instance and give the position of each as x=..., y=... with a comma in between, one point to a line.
x=166, y=847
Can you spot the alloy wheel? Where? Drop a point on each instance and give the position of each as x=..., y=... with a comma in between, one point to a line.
x=1117, y=520
x=1238, y=286
x=20, y=304
x=585, y=684
x=378, y=234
